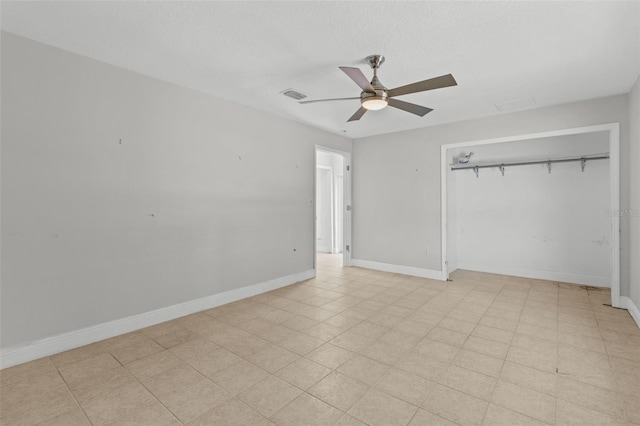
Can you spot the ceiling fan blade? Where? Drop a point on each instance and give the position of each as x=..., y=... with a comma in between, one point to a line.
x=409, y=107
x=326, y=100
x=356, y=75
x=421, y=86
x=358, y=115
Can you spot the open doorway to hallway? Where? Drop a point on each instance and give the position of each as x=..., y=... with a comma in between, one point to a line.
x=332, y=206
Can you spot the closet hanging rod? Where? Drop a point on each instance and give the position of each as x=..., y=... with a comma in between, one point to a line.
x=527, y=163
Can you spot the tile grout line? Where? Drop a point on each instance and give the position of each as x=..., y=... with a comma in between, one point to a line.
x=70, y=392
x=502, y=367
x=615, y=376
x=149, y=390
x=155, y=397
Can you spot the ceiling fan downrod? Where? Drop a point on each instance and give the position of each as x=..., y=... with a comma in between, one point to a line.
x=375, y=61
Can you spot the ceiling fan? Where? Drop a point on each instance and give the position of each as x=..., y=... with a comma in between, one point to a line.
x=375, y=96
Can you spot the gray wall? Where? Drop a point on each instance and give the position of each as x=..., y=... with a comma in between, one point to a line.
x=634, y=217
x=396, y=179
x=200, y=196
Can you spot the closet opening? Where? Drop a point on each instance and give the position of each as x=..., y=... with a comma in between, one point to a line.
x=540, y=206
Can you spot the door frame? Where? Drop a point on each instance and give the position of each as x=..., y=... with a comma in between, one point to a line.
x=346, y=202
x=614, y=190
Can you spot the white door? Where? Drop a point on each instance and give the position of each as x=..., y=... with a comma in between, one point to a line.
x=324, y=210
x=338, y=213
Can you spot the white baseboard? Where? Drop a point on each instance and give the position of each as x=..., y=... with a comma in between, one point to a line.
x=536, y=274
x=627, y=303
x=398, y=269
x=51, y=345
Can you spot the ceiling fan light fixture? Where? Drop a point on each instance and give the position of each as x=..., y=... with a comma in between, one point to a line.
x=374, y=104
x=375, y=101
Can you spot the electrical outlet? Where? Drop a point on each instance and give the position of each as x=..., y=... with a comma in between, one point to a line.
x=426, y=250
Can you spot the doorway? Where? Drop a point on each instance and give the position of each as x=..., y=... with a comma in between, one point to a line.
x=332, y=212
x=611, y=132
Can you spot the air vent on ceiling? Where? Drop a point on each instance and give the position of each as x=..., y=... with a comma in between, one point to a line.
x=293, y=94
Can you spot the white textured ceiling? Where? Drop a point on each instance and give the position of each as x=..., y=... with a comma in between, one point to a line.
x=248, y=52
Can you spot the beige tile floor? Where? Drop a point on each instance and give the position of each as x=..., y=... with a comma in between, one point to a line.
x=353, y=347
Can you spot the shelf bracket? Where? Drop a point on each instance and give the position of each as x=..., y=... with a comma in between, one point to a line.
x=549, y=166
x=476, y=169
x=502, y=169
x=583, y=163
